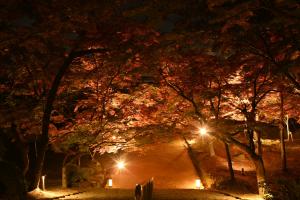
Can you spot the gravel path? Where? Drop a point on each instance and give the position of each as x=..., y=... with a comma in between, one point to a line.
x=162, y=194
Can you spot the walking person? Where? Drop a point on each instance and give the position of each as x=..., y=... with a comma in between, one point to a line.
x=138, y=192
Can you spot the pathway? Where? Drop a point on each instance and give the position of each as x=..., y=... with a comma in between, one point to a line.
x=167, y=163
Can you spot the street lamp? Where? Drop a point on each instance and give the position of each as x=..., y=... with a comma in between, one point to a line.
x=120, y=165
x=202, y=131
x=110, y=183
x=199, y=184
x=43, y=182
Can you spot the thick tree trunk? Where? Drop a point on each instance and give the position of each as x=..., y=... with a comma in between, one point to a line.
x=38, y=167
x=259, y=145
x=250, y=117
x=229, y=162
x=250, y=139
x=260, y=174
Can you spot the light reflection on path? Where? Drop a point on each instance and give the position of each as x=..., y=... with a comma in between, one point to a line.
x=167, y=163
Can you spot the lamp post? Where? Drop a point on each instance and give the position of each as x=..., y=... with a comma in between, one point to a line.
x=43, y=182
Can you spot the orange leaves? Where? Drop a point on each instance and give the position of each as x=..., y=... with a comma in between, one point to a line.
x=295, y=55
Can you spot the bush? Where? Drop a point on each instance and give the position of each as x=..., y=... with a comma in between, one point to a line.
x=85, y=176
x=75, y=175
x=285, y=189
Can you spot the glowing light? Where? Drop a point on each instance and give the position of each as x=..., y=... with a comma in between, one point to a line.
x=120, y=164
x=199, y=184
x=114, y=137
x=202, y=131
x=110, y=182
x=43, y=182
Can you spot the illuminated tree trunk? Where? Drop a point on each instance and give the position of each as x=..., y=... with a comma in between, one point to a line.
x=282, y=142
x=260, y=173
x=64, y=181
x=259, y=145
x=79, y=161
x=195, y=163
x=229, y=162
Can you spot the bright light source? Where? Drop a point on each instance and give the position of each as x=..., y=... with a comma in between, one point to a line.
x=202, y=131
x=199, y=185
x=110, y=182
x=114, y=137
x=43, y=182
x=120, y=164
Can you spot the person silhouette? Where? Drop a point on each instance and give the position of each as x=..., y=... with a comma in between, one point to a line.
x=138, y=192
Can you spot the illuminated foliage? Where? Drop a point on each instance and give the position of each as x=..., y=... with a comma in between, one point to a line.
x=116, y=68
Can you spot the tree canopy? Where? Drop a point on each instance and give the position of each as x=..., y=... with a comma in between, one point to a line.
x=100, y=75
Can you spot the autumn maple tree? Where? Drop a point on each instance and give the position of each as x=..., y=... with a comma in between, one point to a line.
x=98, y=76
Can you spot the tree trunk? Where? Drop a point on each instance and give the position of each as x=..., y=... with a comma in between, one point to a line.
x=260, y=174
x=229, y=162
x=64, y=181
x=250, y=117
x=250, y=139
x=195, y=163
x=211, y=149
x=38, y=167
x=79, y=161
x=282, y=150
x=282, y=142
x=259, y=145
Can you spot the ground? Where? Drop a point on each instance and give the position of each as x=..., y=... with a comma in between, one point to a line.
x=127, y=194
x=167, y=163
x=174, y=175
